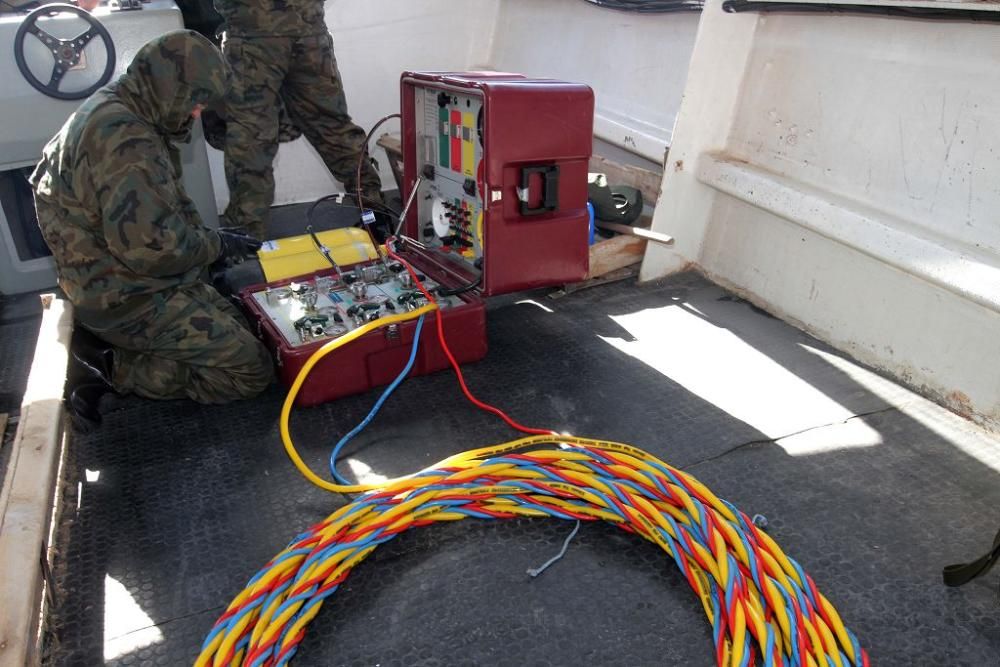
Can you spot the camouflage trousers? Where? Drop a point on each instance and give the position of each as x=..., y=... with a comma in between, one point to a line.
x=301, y=74
x=192, y=344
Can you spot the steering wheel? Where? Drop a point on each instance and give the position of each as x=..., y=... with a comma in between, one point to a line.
x=66, y=52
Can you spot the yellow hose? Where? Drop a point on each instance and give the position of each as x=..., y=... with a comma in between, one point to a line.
x=585, y=493
x=293, y=392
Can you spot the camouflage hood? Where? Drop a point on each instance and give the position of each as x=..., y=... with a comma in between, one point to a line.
x=169, y=76
x=108, y=191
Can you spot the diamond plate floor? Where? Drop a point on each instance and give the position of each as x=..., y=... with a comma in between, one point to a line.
x=171, y=507
x=20, y=318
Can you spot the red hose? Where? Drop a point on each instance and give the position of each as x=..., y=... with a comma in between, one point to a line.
x=451, y=358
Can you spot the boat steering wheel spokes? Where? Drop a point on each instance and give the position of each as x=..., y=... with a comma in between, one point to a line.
x=65, y=52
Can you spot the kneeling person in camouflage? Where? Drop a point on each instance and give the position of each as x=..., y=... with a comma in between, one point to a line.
x=130, y=248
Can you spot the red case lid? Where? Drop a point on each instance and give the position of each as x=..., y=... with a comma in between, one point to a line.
x=537, y=132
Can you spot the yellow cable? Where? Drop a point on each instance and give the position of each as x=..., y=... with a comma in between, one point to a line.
x=293, y=392
x=749, y=613
x=630, y=463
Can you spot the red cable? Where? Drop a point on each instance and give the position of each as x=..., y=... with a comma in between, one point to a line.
x=451, y=358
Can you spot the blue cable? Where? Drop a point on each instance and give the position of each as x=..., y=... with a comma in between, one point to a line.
x=378, y=404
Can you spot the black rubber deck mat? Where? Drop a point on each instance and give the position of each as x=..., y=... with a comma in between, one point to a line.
x=20, y=318
x=177, y=505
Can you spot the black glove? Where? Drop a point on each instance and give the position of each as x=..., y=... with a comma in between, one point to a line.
x=234, y=248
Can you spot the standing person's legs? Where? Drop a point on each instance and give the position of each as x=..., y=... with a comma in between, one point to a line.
x=258, y=69
x=314, y=97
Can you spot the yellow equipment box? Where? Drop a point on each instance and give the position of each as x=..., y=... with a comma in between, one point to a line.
x=298, y=255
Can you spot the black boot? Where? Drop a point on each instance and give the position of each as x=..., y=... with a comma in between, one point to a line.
x=88, y=379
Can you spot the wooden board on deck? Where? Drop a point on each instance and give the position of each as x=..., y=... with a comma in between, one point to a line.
x=615, y=253
x=646, y=181
x=27, y=499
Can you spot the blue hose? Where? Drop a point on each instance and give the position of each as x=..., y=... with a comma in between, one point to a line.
x=378, y=405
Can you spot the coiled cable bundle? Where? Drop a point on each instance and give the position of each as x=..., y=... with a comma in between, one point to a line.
x=761, y=603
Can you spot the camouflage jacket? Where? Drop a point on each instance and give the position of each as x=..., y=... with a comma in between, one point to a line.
x=272, y=18
x=108, y=194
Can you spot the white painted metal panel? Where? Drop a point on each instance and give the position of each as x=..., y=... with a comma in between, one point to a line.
x=31, y=119
x=842, y=171
x=636, y=63
x=896, y=114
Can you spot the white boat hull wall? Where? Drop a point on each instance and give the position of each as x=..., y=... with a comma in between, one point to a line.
x=842, y=172
x=637, y=66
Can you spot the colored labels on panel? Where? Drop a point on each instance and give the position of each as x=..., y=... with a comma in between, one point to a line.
x=468, y=145
x=444, y=140
x=456, y=140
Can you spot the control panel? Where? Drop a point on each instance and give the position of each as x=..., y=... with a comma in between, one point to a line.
x=496, y=165
x=329, y=305
x=450, y=141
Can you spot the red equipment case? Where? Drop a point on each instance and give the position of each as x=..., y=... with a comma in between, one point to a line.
x=501, y=207
x=376, y=358
x=508, y=156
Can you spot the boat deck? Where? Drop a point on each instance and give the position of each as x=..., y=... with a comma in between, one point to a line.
x=172, y=506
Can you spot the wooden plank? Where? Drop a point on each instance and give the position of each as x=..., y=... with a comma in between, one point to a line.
x=3, y=425
x=27, y=499
x=615, y=253
x=394, y=151
x=646, y=180
x=391, y=144
x=614, y=276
